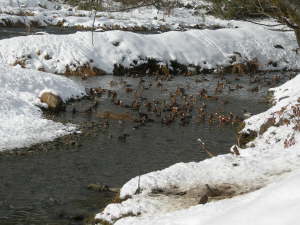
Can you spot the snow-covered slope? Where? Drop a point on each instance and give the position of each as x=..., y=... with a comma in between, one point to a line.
x=27, y=3
x=142, y=19
x=285, y=97
x=45, y=12
x=204, y=48
x=275, y=204
x=171, y=196
x=20, y=118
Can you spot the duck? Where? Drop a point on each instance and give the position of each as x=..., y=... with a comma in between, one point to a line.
x=211, y=97
x=238, y=86
x=123, y=137
x=231, y=89
x=202, y=92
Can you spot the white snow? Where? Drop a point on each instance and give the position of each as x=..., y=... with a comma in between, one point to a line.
x=259, y=186
x=268, y=159
x=284, y=96
x=209, y=49
x=146, y=18
x=26, y=3
x=43, y=13
x=20, y=117
x=275, y=204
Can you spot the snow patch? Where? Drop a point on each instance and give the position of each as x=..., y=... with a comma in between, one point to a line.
x=20, y=117
x=204, y=48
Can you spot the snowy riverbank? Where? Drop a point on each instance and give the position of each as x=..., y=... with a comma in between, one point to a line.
x=269, y=163
x=20, y=117
x=204, y=50
x=49, y=13
x=260, y=181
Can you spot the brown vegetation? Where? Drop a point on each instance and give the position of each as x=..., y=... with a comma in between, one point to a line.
x=248, y=67
x=269, y=123
x=244, y=138
x=84, y=71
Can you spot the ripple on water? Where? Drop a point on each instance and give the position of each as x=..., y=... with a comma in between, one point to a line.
x=49, y=187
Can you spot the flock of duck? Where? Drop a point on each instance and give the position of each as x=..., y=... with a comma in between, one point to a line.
x=176, y=105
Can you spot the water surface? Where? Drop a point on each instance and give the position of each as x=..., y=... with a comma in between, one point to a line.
x=48, y=186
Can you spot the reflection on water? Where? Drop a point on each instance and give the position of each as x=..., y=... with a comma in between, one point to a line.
x=49, y=187
x=9, y=32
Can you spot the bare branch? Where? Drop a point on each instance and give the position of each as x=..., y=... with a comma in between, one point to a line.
x=281, y=30
x=266, y=25
x=204, y=148
x=142, y=4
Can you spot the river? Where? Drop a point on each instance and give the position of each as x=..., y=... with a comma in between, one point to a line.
x=47, y=183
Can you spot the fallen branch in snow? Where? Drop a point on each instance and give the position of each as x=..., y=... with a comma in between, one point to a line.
x=263, y=24
x=138, y=190
x=203, y=147
x=281, y=30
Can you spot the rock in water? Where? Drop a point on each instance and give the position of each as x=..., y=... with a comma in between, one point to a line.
x=53, y=101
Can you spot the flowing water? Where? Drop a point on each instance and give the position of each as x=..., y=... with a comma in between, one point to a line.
x=9, y=32
x=47, y=183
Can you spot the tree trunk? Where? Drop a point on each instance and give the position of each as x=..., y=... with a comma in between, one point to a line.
x=297, y=32
x=292, y=9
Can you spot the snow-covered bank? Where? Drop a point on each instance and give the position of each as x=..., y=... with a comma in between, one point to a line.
x=28, y=3
x=276, y=204
x=44, y=13
x=287, y=101
x=205, y=49
x=172, y=195
x=144, y=19
x=20, y=117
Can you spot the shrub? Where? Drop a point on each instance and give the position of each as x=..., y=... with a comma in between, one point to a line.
x=241, y=9
x=86, y=4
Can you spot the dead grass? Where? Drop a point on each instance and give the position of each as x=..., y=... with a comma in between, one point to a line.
x=245, y=138
x=269, y=123
x=47, y=57
x=248, y=67
x=20, y=13
x=84, y=71
x=21, y=61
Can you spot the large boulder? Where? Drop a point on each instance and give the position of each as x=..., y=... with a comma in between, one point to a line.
x=54, y=102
